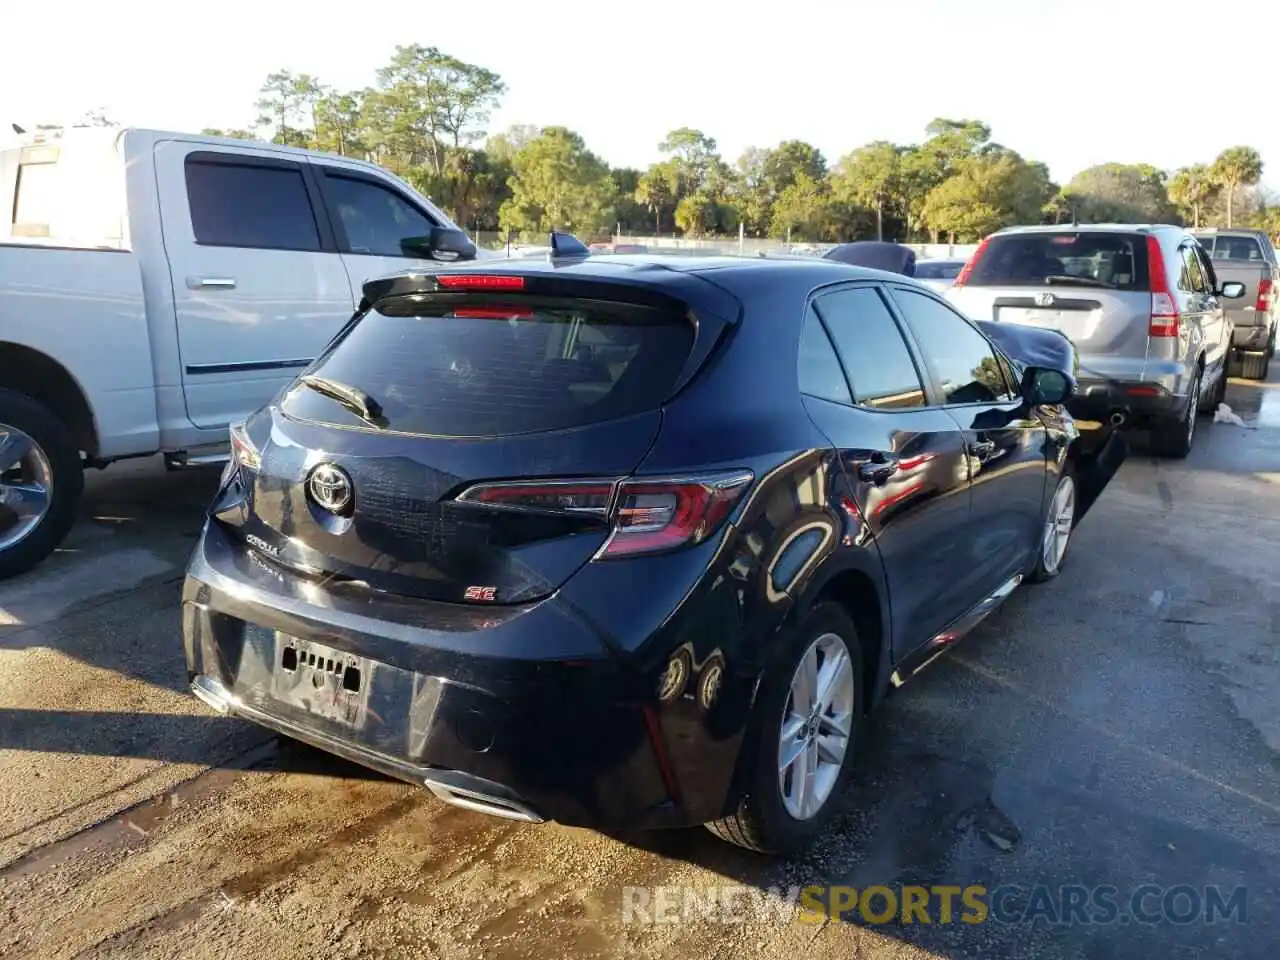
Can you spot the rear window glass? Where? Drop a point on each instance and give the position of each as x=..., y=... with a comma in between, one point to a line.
x=1068, y=259
x=1233, y=248
x=452, y=365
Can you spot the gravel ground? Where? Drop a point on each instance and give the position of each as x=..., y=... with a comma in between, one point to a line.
x=1119, y=726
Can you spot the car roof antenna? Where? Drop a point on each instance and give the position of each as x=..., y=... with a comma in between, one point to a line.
x=567, y=245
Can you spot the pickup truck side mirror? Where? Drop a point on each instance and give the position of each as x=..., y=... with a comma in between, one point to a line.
x=1045, y=386
x=1232, y=290
x=442, y=243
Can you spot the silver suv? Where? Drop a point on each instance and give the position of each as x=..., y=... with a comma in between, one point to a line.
x=1142, y=304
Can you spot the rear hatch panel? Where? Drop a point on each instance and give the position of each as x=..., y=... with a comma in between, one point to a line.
x=470, y=387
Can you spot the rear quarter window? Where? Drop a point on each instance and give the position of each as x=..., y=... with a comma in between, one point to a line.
x=462, y=366
x=1068, y=259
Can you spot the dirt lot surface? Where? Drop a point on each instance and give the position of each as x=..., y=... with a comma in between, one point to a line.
x=1120, y=726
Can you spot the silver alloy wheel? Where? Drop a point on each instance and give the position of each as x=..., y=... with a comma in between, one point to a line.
x=817, y=720
x=1057, y=528
x=26, y=485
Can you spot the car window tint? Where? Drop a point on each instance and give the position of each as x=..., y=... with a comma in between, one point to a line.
x=376, y=219
x=819, y=367
x=963, y=361
x=870, y=345
x=480, y=366
x=1192, y=276
x=1069, y=258
x=243, y=205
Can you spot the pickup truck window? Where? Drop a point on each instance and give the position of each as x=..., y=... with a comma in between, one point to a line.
x=1235, y=249
x=374, y=219
x=250, y=205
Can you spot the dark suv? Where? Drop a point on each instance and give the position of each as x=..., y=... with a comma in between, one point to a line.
x=629, y=542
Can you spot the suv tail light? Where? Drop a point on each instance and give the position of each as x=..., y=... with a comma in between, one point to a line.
x=967, y=270
x=646, y=514
x=1263, y=303
x=1164, y=307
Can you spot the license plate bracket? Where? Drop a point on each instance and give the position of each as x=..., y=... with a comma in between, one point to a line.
x=322, y=681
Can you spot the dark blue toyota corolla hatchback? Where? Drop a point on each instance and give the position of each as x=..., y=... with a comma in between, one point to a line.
x=630, y=542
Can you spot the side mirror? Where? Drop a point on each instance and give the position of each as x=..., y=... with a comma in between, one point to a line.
x=1232, y=290
x=1045, y=386
x=442, y=243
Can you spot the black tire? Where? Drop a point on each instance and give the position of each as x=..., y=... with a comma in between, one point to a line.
x=67, y=471
x=1219, y=394
x=1042, y=572
x=1175, y=437
x=759, y=821
x=1256, y=365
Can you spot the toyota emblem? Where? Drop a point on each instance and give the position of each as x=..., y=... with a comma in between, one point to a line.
x=1044, y=299
x=330, y=487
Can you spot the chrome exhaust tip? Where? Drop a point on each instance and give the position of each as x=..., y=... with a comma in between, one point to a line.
x=1118, y=418
x=213, y=694
x=481, y=803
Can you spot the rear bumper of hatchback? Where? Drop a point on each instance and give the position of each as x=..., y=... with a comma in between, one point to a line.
x=1134, y=403
x=439, y=695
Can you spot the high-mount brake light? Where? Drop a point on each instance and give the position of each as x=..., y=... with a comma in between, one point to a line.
x=1164, y=308
x=479, y=281
x=647, y=514
x=967, y=270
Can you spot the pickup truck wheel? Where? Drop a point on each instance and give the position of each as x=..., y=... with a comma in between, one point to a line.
x=41, y=480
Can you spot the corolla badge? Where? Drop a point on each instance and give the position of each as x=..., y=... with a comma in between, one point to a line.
x=330, y=487
x=1044, y=299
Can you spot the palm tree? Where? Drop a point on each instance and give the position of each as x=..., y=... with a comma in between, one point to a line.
x=1192, y=187
x=1236, y=166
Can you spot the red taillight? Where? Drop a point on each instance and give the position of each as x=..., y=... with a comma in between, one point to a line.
x=1164, y=308
x=967, y=270
x=1263, y=303
x=479, y=281
x=493, y=313
x=647, y=515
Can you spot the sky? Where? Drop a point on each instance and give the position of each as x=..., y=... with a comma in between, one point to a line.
x=1069, y=82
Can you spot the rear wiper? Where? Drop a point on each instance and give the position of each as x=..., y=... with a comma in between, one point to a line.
x=352, y=398
x=1079, y=281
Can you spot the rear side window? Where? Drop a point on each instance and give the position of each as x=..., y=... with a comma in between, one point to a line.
x=1235, y=249
x=243, y=205
x=875, y=356
x=452, y=365
x=819, y=367
x=1068, y=259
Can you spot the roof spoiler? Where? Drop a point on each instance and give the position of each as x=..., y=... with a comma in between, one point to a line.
x=877, y=255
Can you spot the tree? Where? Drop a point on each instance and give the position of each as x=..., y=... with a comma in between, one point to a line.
x=339, y=124
x=806, y=210
x=557, y=183
x=628, y=211
x=658, y=190
x=950, y=143
x=1122, y=193
x=872, y=177
x=1191, y=188
x=693, y=154
x=427, y=100
x=987, y=192
x=1236, y=166
x=279, y=106
x=751, y=192
x=503, y=146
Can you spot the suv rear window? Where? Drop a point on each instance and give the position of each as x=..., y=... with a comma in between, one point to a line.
x=1233, y=248
x=1068, y=259
x=466, y=366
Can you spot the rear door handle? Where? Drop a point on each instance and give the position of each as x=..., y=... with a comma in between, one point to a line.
x=198, y=283
x=879, y=469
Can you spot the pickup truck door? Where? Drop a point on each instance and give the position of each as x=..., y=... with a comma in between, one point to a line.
x=258, y=284
x=372, y=216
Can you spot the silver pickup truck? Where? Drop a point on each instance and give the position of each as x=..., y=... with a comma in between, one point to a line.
x=1247, y=256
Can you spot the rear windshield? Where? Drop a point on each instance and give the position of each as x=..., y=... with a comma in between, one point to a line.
x=1235, y=249
x=945, y=270
x=466, y=366
x=1068, y=259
